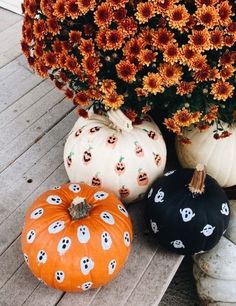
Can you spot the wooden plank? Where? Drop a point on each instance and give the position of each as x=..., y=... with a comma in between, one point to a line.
x=7, y=19
x=28, y=118
x=25, y=102
x=22, y=143
x=155, y=279
x=15, y=81
x=11, y=37
x=12, y=5
x=18, y=288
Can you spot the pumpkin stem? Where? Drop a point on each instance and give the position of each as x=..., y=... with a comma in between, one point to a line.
x=197, y=184
x=79, y=208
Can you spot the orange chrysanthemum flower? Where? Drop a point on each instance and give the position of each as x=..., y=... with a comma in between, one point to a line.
x=82, y=99
x=103, y=15
x=114, y=39
x=25, y=48
x=91, y=65
x=72, y=9
x=200, y=40
x=53, y=26
x=133, y=47
x=146, y=36
x=75, y=37
x=163, y=6
x=171, y=125
x=59, y=9
x=178, y=17
x=39, y=29
x=101, y=39
x=86, y=47
x=50, y=59
x=30, y=7
x=225, y=13
x=71, y=63
x=69, y=93
x=116, y=4
x=171, y=53
x=200, y=3
x=198, y=62
x=187, y=54
x=185, y=88
x=207, y=16
x=145, y=11
x=222, y=90
x=119, y=14
x=227, y=72
x=183, y=117
x=146, y=57
x=108, y=86
x=202, y=74
x=41, y=68
x=86, y=5
x=126, y=71
x=129, y=26
x=162, y=37
x=226, y=59
x=47, y=7
x=113, y=100
x=153, y=83
x=170, y=73
x=141, y=92
x=216, y=39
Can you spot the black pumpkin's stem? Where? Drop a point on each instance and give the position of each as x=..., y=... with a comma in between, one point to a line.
x=79, y=208
x=197, y=184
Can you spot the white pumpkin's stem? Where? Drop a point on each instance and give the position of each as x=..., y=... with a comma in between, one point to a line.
x=197, y=184
x=119, y=120
x=79, y=208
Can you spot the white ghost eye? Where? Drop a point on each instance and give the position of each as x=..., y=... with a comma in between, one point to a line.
x=56, y=227
x=123, y=210
x=54, y=200
x=100, y=195
x=37, y=213
x=63, y=245
x=59, y=276
x=107, y=218
x=42, y=256
x=31, y=235
x=75, y=188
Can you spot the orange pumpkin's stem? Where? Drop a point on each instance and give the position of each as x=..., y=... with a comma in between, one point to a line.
x=197, y=184
x=79, y=208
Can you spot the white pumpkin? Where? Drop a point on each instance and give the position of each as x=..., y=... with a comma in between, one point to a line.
x=215, y=271
x=109, y=151
x=218, y=155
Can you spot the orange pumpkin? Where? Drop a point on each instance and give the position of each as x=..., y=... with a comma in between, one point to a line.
x=76, y=237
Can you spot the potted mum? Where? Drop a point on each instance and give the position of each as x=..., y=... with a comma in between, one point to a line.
x=170, y=55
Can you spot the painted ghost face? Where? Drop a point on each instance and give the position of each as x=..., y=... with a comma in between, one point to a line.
x=159, y=197
x=83, y=234
x=208, y=230
x=56, y=227
x=187, y=214
x=126, y=239
x=122, y=210
x=106, y=241
x=150, y=193
x=37, y=213
x=54, y=200
x=74, y=188
x=86, y=265
x=100, y=195
x=154, y=227
x=225, y=209
x=31, y=235
x=59, y=276
x=178, y=244
x=86, y=286
x=63, y=245
x=107, y=217
x=42, y=257
x=111, y=266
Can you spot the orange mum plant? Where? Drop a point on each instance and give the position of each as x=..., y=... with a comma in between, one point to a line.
x=170, y=55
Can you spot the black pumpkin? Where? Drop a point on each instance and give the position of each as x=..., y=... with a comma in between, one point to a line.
x=187, y=211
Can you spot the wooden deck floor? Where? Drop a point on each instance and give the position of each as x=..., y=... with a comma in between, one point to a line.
x=34, y=122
